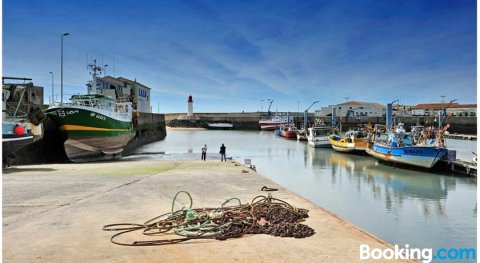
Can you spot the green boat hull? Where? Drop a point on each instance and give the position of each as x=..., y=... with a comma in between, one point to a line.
x=89, y=134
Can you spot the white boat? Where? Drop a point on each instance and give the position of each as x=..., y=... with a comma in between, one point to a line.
x=220, y=125
x=318, y=136
x=301, y=135
x=275, y=121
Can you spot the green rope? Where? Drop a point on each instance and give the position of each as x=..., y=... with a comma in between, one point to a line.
x=175, y=198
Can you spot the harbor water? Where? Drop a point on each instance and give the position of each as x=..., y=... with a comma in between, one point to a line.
x=401, y=206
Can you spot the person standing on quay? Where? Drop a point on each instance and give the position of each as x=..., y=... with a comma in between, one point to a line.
x=222, y=153
x=204, y=152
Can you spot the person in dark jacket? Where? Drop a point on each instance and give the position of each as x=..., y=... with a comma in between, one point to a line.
x=204, y=152
x=223, y=153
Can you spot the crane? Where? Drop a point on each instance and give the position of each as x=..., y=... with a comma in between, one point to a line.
x=305, y=115
x=269, y=106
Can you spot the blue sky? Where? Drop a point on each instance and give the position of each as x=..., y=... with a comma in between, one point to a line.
x=230, y=55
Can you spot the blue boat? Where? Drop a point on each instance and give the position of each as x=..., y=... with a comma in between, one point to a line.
x=278, y=132
x=400, y=148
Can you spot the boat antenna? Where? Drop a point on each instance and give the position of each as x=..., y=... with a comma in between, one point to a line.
x=94, y=69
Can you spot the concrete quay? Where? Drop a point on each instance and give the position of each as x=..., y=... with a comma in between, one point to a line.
x=55, y=213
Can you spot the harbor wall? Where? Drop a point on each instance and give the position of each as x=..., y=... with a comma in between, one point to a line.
x=249, y=120
x=150, y=127
x=241, y=121
x=458, y=124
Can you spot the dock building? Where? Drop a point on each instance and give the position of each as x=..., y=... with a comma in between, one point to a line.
x=120, y=88
x=452, y=109
x=353, y=108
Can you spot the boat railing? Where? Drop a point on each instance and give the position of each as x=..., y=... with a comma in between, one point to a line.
x=123, y=100
x=94, y=103
x=18, y=109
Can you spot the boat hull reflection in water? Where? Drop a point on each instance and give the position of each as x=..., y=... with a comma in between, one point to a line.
x=401, y=206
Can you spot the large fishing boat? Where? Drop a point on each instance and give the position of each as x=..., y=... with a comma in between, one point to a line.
x=20, y=128
x=274, y=122
x=399, y=147
x=95, y=127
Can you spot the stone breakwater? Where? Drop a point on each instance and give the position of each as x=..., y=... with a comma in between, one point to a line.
x=249, y=120
x=187, y=124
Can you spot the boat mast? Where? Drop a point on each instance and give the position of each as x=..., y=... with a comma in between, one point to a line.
x=94, y=69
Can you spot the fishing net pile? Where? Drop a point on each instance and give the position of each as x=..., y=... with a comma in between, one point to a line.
x=263, y=215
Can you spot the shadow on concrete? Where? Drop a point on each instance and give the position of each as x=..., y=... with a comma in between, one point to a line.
x=32, y=169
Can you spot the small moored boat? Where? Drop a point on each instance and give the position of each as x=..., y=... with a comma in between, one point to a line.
x=352, y=141
x=301, y=135
x=220, y=125
x=318, y=136
x=288, y=131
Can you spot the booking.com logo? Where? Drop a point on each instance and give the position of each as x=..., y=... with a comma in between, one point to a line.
x=426, y=255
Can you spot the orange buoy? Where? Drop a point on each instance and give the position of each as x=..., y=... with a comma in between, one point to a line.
x=19, y=130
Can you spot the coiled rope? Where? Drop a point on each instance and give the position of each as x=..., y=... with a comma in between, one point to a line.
x=263, y=215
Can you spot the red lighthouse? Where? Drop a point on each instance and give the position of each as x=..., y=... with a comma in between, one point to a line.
x=190, y=106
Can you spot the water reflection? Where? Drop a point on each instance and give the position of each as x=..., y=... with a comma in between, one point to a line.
x=393, y=185
x=396, y=204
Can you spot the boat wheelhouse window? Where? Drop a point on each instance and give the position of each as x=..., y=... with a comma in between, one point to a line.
x=321, y=132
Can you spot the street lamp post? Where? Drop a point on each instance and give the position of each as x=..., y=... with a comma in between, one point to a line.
x=443, y=113
x=298, y=113
x=105, y=70
x=53, y=92
x=61, y=69
x=389, y=113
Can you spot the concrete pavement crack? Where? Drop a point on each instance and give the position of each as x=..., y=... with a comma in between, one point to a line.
x=29, y=216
